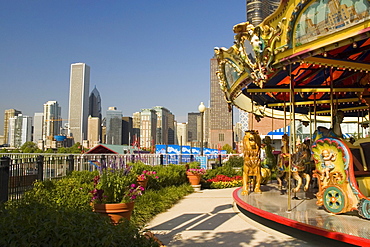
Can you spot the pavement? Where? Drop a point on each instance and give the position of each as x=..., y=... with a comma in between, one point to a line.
x=210, y=218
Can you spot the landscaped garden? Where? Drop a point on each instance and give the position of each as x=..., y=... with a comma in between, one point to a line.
x=64, y=212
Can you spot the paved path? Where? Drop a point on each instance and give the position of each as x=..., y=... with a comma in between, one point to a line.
x=209, y=218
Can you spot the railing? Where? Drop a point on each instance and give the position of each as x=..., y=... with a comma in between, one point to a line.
x=19, y=171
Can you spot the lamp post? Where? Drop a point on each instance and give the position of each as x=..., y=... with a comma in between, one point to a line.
x=201, y=109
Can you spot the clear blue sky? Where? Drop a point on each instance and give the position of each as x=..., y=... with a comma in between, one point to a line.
x=142, y=53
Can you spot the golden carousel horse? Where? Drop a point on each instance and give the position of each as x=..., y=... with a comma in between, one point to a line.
x=252, y=161
x=283, y=162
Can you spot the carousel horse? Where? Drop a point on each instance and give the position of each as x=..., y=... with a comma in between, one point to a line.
x=301, y=165
x=334, y=131
x=283, y=162
x=252, y=161
x=269, y=160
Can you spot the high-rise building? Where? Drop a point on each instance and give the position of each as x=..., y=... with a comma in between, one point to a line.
x=258, y=10
x=114, y=126
x=20, y=130
x=192, y=126
x=136, y=118
x=171, y=129
x=38, y=121
x=8, y=114
x=148, y=128
x=95, y=104
x=220, y=119
x=162, y=124
x=182, y=133
x=93, y=131
x=127, y=131
x=52, y=120
x=79, y=101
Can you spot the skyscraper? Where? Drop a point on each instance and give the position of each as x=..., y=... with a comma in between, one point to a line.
x=93, y=134
x=79, y=101
x=162, y=124
x=95, y=104
x=20, y=130
x=221, y=126
x=52, y=120
x=258, y=10
x=192, y=126
x=38, y=120
x=8, y=114
x=114, y=126
x=148, y=127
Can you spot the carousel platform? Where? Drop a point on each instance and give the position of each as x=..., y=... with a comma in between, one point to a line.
x=304, y=214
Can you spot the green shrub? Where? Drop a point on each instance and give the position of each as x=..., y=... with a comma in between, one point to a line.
x=235, y=161
x=40, y=225
x=223, y=170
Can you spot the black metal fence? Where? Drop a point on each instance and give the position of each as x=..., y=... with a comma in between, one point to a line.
x=19, y=171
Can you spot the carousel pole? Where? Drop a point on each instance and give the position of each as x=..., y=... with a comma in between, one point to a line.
x=252, y=114
x=331, y=97
x=292, y=135
x=314, y=110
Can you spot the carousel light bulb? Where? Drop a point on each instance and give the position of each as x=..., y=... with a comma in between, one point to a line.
x=325, y=54
x=354, y=45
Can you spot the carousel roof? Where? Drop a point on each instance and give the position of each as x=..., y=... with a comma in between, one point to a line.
x=325, y=65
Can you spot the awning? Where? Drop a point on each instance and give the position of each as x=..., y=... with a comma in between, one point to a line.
x=280, y=132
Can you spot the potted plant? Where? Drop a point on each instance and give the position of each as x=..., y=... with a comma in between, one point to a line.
x=114, y=193
x=194, y=175
x=143, y=178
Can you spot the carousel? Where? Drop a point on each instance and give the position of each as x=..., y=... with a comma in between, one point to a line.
x=308, y=62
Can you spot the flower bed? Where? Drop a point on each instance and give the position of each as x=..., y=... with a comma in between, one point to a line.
x=223, y=181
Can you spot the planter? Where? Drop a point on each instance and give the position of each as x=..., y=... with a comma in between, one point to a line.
x=194, y=179
x=142, y=182
x=115, y=211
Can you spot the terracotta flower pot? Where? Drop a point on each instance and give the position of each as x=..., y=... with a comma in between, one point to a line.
x=194, y=179
x=142, y=182
x=115, y=211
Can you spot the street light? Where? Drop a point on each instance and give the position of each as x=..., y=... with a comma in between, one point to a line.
x=201, y=109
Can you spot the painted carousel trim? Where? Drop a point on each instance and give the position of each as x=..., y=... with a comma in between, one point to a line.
x=347, y=238
x=338, y=63
x=306, y=90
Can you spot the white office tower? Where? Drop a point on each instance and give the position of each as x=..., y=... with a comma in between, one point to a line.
x=20, y=130
x=243, y=119
x=52, y=120
x=38, y=120
x=78, y=101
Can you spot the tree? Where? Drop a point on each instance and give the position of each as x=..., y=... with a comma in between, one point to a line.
x=30, y=147
x=228, y=149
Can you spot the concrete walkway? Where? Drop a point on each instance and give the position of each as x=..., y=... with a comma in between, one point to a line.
x=209, y=218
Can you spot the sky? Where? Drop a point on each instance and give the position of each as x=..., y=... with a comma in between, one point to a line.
x=141, y=53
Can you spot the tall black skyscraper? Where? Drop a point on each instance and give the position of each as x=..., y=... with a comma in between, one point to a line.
x=95, y=104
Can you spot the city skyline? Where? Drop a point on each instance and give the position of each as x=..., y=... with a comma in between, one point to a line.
x=141, y=54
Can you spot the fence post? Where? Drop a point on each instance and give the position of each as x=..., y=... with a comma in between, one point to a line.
x=4, y=178
x=40, y=167
x=161, y=159
x=71, y=163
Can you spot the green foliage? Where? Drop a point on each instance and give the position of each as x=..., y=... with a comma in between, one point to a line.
x=228, y=184
x=223, y=170
x=30, y=147
x=115, y=183
x=37, y=224
x=49, y=151
x=228, y=148
x=154, y=202
x=194, y=165
x=235, y=161
x=71, y=192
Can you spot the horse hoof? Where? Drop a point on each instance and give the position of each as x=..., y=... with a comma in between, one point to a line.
x=257, y=191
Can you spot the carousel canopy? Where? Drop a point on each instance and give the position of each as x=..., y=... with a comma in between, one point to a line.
x=314, y=55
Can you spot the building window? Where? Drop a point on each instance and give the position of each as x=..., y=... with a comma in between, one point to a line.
x=221, y=137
